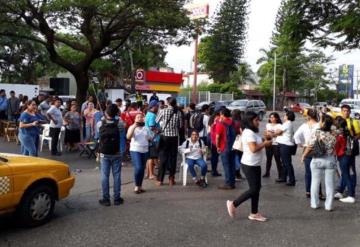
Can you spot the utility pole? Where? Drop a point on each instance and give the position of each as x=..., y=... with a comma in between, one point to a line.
x=194, y=89
x=357, y=85
x=274, y=85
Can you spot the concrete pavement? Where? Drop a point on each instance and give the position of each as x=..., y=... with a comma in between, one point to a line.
x=185, y=216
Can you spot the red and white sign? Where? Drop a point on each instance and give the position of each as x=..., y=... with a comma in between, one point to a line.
x=198, y=11
x=140, y=75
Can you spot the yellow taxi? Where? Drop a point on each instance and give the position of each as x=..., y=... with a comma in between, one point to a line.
x=29, y=186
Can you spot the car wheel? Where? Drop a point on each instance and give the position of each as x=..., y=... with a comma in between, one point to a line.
x=37, y=206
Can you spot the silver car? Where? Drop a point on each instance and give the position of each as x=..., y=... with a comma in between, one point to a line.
x=245, y=105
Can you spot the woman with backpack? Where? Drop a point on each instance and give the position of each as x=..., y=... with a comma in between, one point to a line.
x=302, y=137
x=251, y=160
x=194, y=149
x=139, y=149
x=322, y=147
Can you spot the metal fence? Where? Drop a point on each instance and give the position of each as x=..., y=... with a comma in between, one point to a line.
x=208, y=96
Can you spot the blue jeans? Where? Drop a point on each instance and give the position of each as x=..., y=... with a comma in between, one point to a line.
x=122, y=142
x=347, y=181
x=139, y=162
x=114, y=163
x=200, y=162
x=29, y=144
x=237, y=159
x=214, y=159
x=307, y=162
x=227, y=159
x=285, y=153
x=89, y=133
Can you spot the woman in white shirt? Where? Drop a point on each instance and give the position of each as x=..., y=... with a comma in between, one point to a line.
x=139, y=149
x=253, y=146
x=271, y=127
x=194, y=149
x=302, y=138
x=286, y=144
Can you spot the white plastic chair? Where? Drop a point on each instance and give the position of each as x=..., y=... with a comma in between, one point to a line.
x=183, y=172
x=45, y=137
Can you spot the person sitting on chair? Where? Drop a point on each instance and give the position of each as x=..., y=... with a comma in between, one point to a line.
x=194, y=148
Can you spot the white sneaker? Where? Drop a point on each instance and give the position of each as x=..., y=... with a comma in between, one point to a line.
x=338, y=195
x=348, y=199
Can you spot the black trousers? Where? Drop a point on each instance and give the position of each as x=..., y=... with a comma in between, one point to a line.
x=54, y=134
x=274, y=150
x=253, y=176
x=3, y=115
x=168, y=150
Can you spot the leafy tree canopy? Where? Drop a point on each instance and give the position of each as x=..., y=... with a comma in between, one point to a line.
x=222, y=50
x=92, y=28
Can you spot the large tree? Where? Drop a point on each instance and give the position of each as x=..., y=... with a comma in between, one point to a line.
x=93, y=28
x=333, y=23
x=222, y=50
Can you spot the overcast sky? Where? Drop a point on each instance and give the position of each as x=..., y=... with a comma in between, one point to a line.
x=261, y=24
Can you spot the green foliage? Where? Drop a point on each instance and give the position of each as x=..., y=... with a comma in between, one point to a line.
x=327, y=95
x=221, y=51
x=331, y=23
x=298, y=69
x=75, y=33
x=23, y=60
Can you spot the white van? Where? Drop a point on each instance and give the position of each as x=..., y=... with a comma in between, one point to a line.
x=353, y=103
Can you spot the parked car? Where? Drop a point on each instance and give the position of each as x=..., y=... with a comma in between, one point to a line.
x=299, y=107
x=226, y=102
x=199, y=105
x=29, y=186
x=318, y=105
x=212, y=105
x=244, y=106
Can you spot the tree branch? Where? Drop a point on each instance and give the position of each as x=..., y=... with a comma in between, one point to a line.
x=6, y=34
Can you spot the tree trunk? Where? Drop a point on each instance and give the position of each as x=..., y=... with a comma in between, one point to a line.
x=82, y=83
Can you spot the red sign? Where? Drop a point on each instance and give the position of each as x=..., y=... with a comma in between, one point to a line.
x=164, y=77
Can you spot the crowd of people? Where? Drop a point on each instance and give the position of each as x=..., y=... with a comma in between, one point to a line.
x=152, y=135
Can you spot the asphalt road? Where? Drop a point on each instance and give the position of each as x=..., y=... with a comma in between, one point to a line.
x=184, y=216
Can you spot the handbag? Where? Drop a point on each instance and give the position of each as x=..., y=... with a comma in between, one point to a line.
x=238, y=144
x=319, y=147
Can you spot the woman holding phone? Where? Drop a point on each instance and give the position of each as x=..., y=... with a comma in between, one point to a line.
x=29, y=129
x=139, y=149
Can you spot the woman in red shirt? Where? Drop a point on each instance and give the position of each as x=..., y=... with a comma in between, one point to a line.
x=343, y=153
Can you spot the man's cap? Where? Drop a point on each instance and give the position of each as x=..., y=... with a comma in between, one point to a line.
x=153, y=103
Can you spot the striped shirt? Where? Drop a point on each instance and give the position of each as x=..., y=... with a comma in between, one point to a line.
x=175, y=122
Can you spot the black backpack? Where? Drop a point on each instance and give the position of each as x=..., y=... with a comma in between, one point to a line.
x=196, y=121
x=109, y=138
x=188, y=143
